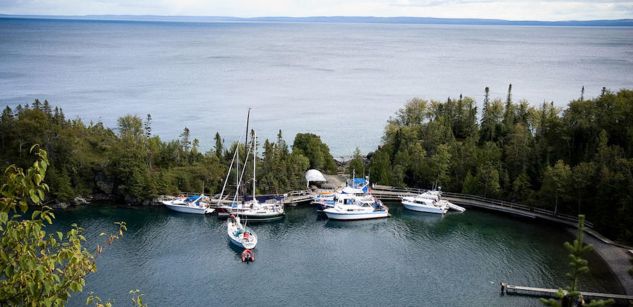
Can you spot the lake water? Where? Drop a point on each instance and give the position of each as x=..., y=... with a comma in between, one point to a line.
x=411, y=259
x=341, y=81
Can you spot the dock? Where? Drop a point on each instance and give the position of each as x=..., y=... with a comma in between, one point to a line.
x=296, y=197
x=552, y=293
x=465, y=200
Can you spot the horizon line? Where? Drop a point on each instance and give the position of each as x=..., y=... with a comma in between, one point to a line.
x=316, y=18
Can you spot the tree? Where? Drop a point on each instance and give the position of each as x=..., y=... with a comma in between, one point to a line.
x=582, y=180
x=219, y=147
x=579, y=266
x=357, y=164
x=311, y=146
x=440, y=163
x=130, y=126
x=37, y=268
x=147, y=125
x=556, y=181
x=185, y=142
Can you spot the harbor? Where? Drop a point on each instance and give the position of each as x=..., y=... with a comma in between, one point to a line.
x=304, y=255
x=604, y=247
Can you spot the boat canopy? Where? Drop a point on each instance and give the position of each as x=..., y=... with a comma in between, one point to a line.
x=315, y=176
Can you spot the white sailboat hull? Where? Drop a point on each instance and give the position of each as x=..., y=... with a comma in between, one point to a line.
x=184, y=208
x=238, y=238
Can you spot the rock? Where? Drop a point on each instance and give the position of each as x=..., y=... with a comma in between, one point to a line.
x=104, y=186
x=78, y=201
x=101, y=197
x=59, y=205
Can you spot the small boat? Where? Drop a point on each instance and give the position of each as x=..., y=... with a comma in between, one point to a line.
x=197, y=204
x=430, y=201
x=248, y=255
x=352, y=207
x=240, y=235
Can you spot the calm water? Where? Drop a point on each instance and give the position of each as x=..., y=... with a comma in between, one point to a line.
x=409, y=259
x=341, y=81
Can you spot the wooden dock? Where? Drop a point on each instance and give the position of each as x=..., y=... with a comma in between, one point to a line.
x=552, y=293
x=296, y=197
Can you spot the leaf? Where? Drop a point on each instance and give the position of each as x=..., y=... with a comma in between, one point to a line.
x=34, y=198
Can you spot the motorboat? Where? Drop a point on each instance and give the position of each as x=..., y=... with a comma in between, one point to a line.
x=196, y=204
x=355, y=186
x=429, y=201
x=239, y=234
x=352, y=207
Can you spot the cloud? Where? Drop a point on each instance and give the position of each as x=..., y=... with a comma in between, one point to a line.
x=502, y=9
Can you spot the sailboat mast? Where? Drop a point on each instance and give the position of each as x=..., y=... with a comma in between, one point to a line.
x=248, y=118
x=237, y=168
x=254, y=159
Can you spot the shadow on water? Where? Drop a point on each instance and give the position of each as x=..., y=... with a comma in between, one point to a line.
x=238, y=250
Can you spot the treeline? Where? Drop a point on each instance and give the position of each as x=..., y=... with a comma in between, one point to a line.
x=573, y=160
x=132, y=164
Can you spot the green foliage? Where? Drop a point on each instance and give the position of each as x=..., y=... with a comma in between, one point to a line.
x=556, y=182
x=578, y=266
x=279, y=170
x=357, y=164
x=573, y=160
x=38, y=268
x=310, y=145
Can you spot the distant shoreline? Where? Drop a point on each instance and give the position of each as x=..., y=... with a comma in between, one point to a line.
x=332, y=20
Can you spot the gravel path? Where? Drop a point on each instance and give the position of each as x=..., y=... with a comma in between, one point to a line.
x=616, y=257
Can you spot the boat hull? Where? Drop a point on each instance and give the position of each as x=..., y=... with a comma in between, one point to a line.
x=422, y=208
x=238, y=239
x=187, y=209
x=347, y=216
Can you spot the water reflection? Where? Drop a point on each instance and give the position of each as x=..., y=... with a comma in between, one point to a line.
x=163, y=250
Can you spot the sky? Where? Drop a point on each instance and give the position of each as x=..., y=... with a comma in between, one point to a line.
x=550, y=10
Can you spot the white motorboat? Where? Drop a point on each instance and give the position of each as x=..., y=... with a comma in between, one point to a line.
x=239, y=234
x=355, y=186
x=352, y=207
x=193, y=204
x=430, y=201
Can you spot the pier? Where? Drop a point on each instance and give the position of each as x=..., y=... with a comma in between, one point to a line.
x=394, y=194
x=552, y=293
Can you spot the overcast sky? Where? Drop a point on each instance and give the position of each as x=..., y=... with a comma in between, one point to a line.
x=502, y=9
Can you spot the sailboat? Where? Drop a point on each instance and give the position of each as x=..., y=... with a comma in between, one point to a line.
x=239, y=234
x=252, y=209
